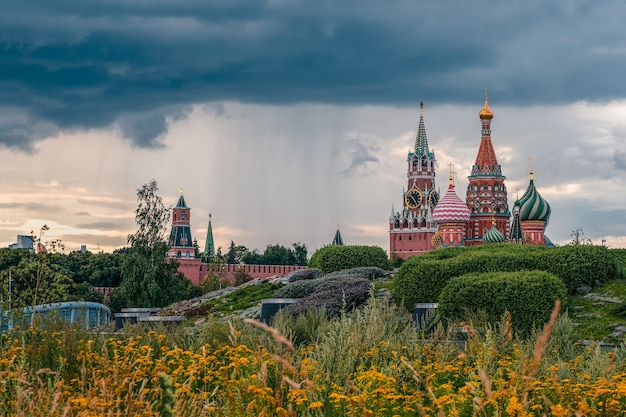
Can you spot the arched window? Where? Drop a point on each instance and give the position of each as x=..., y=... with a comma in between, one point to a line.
x=183, y=216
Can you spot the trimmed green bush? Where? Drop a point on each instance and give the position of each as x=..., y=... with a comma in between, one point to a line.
x=619, y=255
x=528, y=295
x=335, y=258
x=422, y=278
x=580, y=265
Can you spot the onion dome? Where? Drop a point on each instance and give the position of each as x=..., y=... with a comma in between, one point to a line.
x=493, y=235
x=486, y=112
x=532, y=205
x=450, y=208
x=436, y=239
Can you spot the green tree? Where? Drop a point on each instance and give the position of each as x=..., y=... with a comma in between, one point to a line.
x=36, y=281
x=241, y=276
x=235, y=253
x=300, y=253
x=215, y=278
x=149, y=278
x=579, y=238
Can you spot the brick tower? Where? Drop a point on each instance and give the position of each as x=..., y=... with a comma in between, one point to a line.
x=486, y=196
x=181, y=243
x=411, y=230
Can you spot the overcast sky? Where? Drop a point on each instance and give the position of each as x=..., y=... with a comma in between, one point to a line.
x=285, y=118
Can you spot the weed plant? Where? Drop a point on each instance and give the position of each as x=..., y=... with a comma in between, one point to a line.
x=368, y=362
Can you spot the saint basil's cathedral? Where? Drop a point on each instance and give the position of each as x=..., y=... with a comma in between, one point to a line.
x=427, y=222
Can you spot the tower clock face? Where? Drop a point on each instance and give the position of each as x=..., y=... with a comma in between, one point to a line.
x=413, y=198
x=433, y=198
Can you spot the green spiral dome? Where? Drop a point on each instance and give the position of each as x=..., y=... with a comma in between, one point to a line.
x=532, y=205
x=493, y=235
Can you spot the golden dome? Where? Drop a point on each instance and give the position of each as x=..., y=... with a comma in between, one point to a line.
x=486, y=112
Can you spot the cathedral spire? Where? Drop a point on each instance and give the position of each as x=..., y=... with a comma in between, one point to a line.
x=486, y=161
x=421, y=142
x=209, y=245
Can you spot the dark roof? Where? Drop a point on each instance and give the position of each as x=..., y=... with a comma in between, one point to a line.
x=181, y=202
x=337, y=240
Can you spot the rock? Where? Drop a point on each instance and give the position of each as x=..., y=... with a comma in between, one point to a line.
x=603, y=297
x=620, y=329
x=583, y=289
x=594, y=315
x=577, y=308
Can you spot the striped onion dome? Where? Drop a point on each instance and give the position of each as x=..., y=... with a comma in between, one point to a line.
x=532, y=205
x=450, y=208
x=493, y=235
x=436, y=239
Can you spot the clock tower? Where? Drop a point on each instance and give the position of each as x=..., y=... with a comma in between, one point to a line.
x=486, y=193
x=411, y=229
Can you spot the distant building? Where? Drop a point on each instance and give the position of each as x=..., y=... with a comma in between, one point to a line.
x=181, y=243
x=23, y=242
x=425, y=223
x=337, y=240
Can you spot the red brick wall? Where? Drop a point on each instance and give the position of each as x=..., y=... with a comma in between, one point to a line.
x=196, y=271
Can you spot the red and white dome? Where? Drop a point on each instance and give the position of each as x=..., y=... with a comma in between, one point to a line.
x=451, y=209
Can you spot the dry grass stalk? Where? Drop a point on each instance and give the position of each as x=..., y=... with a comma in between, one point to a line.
x=275, y=333
x=540, y=346
x=486, y=382
x=232, y=334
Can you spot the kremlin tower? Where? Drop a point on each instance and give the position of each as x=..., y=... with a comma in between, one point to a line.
x=486, y=193
x=411, y=230
x=181, y=243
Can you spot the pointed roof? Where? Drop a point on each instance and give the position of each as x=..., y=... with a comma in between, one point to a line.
x=337, y=240
x=516, y=234
x=421, y=141
x=486, y=162
x=486, y=155
x=209, y=246
x=181, y=201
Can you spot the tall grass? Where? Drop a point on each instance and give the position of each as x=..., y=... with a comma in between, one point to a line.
x=369, y=362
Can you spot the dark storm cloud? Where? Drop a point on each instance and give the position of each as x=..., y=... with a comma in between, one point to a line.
x=134, y=66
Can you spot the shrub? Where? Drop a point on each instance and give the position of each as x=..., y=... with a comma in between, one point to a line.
x=580, y=265
x=335, y=296
x=528, y=295
x=304, y=274
x=422, y=278
x=335, y=258
x=619, y=255
x=369, y=272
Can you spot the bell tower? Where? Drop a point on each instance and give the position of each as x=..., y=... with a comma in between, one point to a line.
x=411, y=229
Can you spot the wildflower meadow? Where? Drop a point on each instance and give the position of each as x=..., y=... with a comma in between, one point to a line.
x=370, y=363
